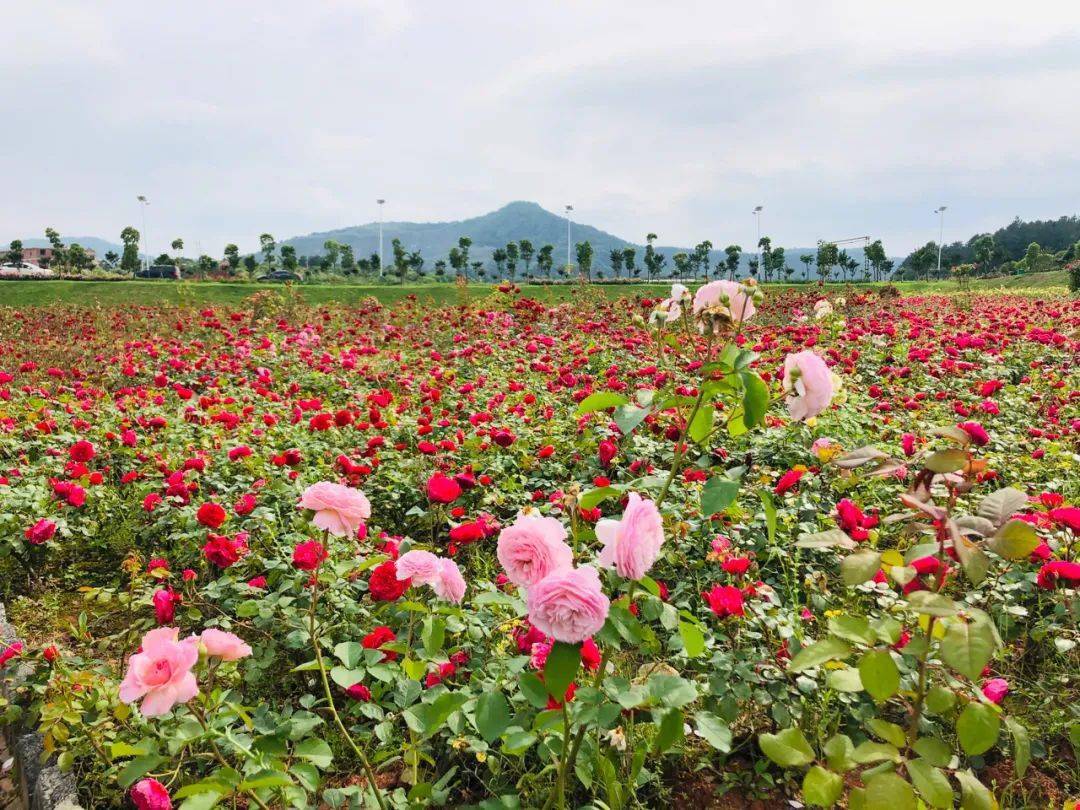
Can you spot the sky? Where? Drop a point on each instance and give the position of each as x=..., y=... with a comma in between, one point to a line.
x=840, y=118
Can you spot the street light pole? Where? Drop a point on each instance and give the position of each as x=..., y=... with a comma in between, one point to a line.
x=569, y=211
x=381, y=203
x=146, y=234
x=941, y=236
x=757, y=215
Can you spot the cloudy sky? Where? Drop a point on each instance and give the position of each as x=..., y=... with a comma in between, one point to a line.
x=237, y=117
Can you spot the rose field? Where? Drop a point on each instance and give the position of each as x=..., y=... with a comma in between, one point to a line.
x=731, y=546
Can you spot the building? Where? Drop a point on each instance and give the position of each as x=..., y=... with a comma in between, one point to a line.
x=42, y=256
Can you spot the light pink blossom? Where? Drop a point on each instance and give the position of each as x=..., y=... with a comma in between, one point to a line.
x=223, y=645
x=727, y=298
x=422, y=567
x=809, y=384
x=532, y=548
x=339, y=509
x=632, y=544
x=450, y=584
x=161, y=673
x=569, y=605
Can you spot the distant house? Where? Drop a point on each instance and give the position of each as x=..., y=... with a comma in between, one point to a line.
x=43, y=256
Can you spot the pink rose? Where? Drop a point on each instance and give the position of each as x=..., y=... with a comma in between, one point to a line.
x=532, y=548
x=568, y=605
x=422, y=567
x=150, y=794
x=40, y=532
x=632, y=544
x=161, y=673
x=995, y=689
x=165, y=601
x=450, y=584
x=338, y=509
x=223, y=645
x=809, y=385
x=726, y=298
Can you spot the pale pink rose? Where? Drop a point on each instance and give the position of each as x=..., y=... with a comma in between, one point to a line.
x=449, y=584
x=161, y=673
x=672, y=307
x=809, y=385
x=223, y=645
x=726, y=297
x=633, y=543
x=339, y=510
x=533, y=547
x=568, y=605
x=422, y=567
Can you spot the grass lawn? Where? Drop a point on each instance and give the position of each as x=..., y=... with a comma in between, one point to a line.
x=141, y=293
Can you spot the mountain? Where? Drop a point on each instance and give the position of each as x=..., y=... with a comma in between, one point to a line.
x=99, y=246
x=513, y=222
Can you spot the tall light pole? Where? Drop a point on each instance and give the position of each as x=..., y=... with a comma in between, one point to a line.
x=757, y=215
x=941, y=236
x=381, y=203
x=146, y=235
x=569, y=211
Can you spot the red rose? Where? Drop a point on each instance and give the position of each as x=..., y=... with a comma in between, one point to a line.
x=211, y=515
x=245, y=505
x=358, y=692
x=165, y=601
x=222, y=551
x=40, y=532
x=725, y=600
x=977, y=432
x=309, y=556
x=377, y=638
x=384, y=586
x=442, y=489
x=82, y=451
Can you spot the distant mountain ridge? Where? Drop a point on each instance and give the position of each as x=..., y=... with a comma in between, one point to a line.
x=511, y=223
x=96, y=244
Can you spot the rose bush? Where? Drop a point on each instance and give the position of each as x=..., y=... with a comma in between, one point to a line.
x=511, y=554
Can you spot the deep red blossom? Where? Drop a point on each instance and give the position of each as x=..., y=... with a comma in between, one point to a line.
x=211, y=515
x=383, y=584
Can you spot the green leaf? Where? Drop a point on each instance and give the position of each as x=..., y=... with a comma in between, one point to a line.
x=997, y=507
x=671, y=690
x=1015, y=540
x=433, y=634
x=931, y=783
x=860, y=567
x=788, y=748
x=947, y=461
x=932, y=604
x=202, y=801
x=534, y=690
x=845, y=679
x=829, y=649
x=264, y=780
x=714, y=731
x=830, y=538
x=492, y=715
x=887, y=791
x=628, y=417
x=870, y=751
x=889, y=732
x=669, y=731
x=968, y=645
x=940, y=699
x=594, y=497
x=977, y=728
x=933, y=751
x=138, y=768
x=702, y=424
x=1021, y=746
x=600, y=401
x=821, y=788
x=315, y=751
x=838, y=751
x=346, y=677
x=718, y=494
x=350, y=653
x=879, y=674
x=769, y=506
x=852, y=628
x=561, y=668
x=755, y=398
x=692, y=638
x=973, y=793
x=972, y=558
x=858, y=457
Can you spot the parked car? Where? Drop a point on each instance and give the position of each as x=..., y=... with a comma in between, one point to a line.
x=159, y=271
x=280, y=275
x=25, y=270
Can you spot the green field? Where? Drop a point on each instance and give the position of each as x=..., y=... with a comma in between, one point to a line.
x=143, y=293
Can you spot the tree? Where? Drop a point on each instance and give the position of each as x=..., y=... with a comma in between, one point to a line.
x=288, y=258
x=682, y=265
x=499, y=257
x=875, y=254
x=827, y=255
x=732, y=253
x=207, y=264
x=512, y=259
x=527, y=251
x=348, y=259
x=615, y=257
x=842, y=263
x=416, y=262
x=178, y=245
x=629, y=254
x=765, y=256
x=754, y=265
x=232, y=256
x=58, y=257
x=1032, y=256
x=401, y=260
x=983, y=251
x=440, y=268
x=111, y=258
x=779, y=260
x=129, y=261
x=807, y=259
x=77, y=257
x=962, y=273
x=15, y=253
x=332, y=252
x=654, y=262
x=545, y=260
x=250, y=264
x=267, y=246
x=464, y=243
x=457, y=261
x=584, y=253
x=478, y=268
x=701, y=257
